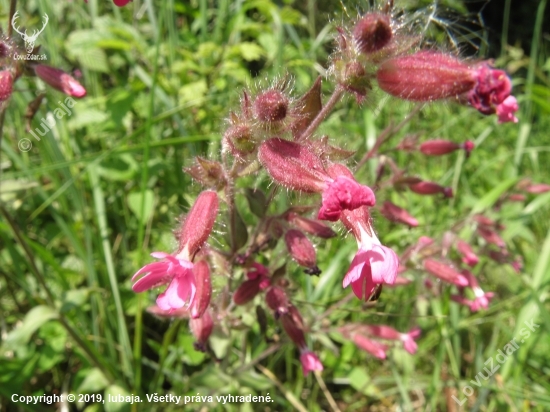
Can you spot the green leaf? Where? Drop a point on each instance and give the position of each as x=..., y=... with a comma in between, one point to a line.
x=257, y=201
x=135, y=201
x=491, y=198
x=34, y=319
x=94, y=382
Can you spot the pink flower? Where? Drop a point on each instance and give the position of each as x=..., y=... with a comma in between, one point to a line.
x=375, y=348
x=481, y=300
x=468, y=255
x=492, y=88
x=297, y=167
x=506, y=110
x=374, y=263
x=310, y=361
x=444, y=272
x=408, y=340
x=178, y=272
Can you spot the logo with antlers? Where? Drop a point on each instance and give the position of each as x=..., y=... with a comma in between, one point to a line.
x=29, y=39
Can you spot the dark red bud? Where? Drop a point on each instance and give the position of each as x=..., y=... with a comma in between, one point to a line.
x=204, y=289
x=6, y=85
x=201, y=328
x=271, y=106
x=300, y=248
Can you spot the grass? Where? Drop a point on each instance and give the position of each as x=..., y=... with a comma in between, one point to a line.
x=85, y=206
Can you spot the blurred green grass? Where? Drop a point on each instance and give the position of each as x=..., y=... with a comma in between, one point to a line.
x=88, y=203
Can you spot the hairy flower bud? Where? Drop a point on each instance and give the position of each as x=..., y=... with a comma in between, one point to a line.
x=203, y=291
x=293, y=325
x=372, y=32
x=246, y=291
x=444, y=272
x=6, y=85
x=301, y=250
x=277, y=300
x=396, y=214
x=201, y=328
x=430, y=188
x=438, y=147
x=208, y=173
x=468, y=255
x=199, y=222
x=313, y=227
x=425, y=76
x=60, y=80
x=271, y=106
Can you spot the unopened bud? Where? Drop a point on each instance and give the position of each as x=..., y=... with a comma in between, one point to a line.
x=246, y=291
x=293, y=325
x=206, y=172
x=271, y=106
x=538, y=188
x=301, y=249
x=425, y=76
x=6, y=85
x=313, y=227
x=277, y=300
x=199, y=222
x=396, y=214
x=430, y=188
x=439, y=147
x=372, y=32
x=60, y=80
x=491, y=236
x=203, y=291
x=444, y=272
x=468, y=255
x=201, y=328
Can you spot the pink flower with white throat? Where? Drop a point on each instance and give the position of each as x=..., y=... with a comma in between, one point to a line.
x=178, y=270
x=374, y=263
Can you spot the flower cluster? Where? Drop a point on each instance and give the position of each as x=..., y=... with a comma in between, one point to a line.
x=275, y=133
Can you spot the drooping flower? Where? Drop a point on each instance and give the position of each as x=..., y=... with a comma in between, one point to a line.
x=444, y=272
x=397, y=214
x=297, y=167
x=178, y=270
x=374, y=263
x=481, y=298
x=257, y=279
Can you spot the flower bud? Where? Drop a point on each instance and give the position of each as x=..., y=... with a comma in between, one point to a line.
x=270, y=106
x=538, y=188
x=198, y=223
x=444, y=272
x=430, y=188
x=313, y=227
x=121, y=3
x=440, y=147
x=396, y=214
x=425, y=76
x=246, y=291
x=293, y=165
x=372, y=32
x=491, y=236
x=60, y=80
x=203, y=289
x=301, y=249
x=6, y=85
x=201, y=328
x=468, y=255
x=277, y=300
x=293, y=325
x=353, y=77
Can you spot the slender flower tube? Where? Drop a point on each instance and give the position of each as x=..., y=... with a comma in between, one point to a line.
x=178, y=270
x=395, y=213
x=6, y=85
x=310, y=361
x=374, y=263
x=375, y=348
x=430, y=188
x=60, y=80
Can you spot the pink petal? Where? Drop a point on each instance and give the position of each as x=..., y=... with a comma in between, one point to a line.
x=356, y=268
x=310, y=362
